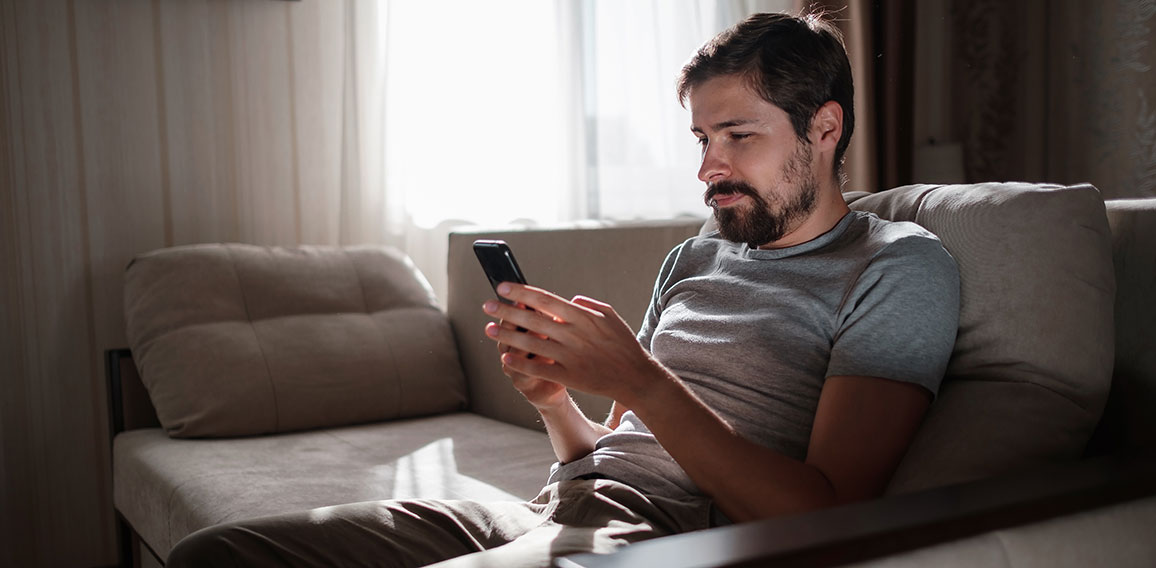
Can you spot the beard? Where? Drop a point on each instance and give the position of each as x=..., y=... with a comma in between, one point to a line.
x=764, y=222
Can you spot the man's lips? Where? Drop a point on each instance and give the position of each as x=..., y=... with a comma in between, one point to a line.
x=725, y=199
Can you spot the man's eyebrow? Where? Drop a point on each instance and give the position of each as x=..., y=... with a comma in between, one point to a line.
x=725, y=124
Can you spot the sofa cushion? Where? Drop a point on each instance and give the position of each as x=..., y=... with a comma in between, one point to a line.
x=613, y=261
x=1032, y=363
x=1129, y=422
x=168, y=488
x=236, y=340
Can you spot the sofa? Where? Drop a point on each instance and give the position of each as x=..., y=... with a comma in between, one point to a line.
x=263, y=380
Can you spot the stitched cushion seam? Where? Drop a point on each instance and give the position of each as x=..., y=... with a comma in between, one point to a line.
x=381, y=333
x=257, y=339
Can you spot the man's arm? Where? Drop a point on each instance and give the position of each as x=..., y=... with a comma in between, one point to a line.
x=572, y=435
x=862, y=426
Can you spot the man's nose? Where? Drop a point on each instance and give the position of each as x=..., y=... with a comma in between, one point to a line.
x=714, y=165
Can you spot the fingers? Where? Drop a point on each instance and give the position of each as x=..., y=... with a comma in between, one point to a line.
x=527, y=342
x=539, y=367
x=523, y=318
x=543, y=301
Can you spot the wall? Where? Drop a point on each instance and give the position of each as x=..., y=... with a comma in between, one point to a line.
x=130, y=125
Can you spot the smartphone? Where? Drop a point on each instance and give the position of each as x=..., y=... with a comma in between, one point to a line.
x=499, y=264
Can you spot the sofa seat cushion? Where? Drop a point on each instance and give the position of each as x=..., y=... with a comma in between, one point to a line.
x=167, y=488
x=238, y=340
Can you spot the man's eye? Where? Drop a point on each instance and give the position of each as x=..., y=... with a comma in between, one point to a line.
x=701, y=142
x=740, y=136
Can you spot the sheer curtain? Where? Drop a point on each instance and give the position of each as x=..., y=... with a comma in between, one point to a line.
x=533, y=113
x=642, y=157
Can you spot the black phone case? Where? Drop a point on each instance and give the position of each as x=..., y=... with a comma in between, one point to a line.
x=499, y=263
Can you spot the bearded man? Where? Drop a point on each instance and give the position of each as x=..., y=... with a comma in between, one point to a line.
x=784, y=364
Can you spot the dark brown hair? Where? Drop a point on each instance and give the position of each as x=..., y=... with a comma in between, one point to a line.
x=795, y=63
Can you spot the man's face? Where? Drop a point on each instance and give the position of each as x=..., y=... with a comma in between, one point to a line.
x=760, y=177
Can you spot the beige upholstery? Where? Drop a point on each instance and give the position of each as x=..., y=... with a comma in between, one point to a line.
x=1118, y=536
x=235, y=340
x=167, y=488
x=612, y=262
x=1129, y=420
x=1033, y=359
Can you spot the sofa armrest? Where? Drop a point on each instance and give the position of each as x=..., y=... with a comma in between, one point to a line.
x=905, y=522
x=613, y=262
x=129, y=407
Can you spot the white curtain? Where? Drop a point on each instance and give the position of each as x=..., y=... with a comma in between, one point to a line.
x=525, y=112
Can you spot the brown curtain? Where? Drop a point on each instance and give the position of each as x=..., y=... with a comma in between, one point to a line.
x=1057, y=92
x=893, y=26
x=880, y=44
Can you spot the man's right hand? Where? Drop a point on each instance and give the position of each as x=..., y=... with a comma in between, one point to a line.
x=545, y=395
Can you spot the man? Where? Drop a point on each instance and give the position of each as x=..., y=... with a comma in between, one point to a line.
x=784, y=364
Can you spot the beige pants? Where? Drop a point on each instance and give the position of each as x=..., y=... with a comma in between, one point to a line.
x=566, y=518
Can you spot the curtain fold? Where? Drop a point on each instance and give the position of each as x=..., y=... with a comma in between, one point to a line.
x=893, y=23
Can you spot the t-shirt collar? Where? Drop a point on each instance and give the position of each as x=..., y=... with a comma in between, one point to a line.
x=801, y=248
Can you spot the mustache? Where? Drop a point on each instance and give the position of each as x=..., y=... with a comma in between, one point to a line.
x=726, y=187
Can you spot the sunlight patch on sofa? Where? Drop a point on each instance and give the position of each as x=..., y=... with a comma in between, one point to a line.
x=431, y=472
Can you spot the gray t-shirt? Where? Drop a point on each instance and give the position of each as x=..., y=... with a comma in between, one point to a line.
x=755, y=333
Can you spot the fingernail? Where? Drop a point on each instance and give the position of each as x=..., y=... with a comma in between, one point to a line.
x=503, y=288
x=490, y=306
x=492, y=330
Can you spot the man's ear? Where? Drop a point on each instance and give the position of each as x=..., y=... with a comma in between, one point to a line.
x=827, y=126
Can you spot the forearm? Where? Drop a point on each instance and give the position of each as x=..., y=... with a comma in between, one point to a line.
x=572, y=435
x=747, y=481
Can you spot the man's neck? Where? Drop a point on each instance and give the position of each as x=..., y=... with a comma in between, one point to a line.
x=829, y=209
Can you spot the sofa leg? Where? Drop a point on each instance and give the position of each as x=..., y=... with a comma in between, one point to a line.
x=126, y=544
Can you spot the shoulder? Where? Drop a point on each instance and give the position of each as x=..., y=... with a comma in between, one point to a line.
x=901, y=242
x=693, y=257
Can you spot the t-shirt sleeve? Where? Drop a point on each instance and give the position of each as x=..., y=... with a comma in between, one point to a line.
x=900, y=317
x=654, y=309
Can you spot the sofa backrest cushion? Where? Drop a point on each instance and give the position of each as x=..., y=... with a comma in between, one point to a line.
x=235, y=340
x=615, y=262
x=1032, y=363
x=1129, y=422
